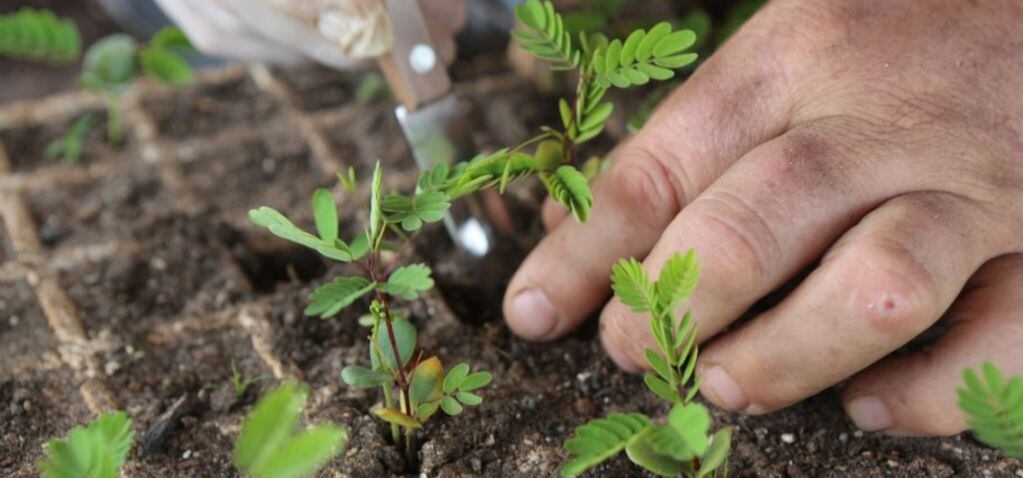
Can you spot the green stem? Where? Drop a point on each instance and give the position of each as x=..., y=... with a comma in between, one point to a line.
x=530, y=141
x=389, y=403
x=115, y=120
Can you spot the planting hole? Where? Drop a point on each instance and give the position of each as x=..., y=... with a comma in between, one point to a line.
x=269, y=262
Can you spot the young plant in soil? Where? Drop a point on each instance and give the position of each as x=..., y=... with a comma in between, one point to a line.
x=994, y=408
x=414, y=388
x=113, y=62
x=270, y=445
x=682, y=445
x=109, y=65
x=96, y=450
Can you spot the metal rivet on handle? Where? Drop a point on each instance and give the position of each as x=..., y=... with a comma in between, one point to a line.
x=422, y=58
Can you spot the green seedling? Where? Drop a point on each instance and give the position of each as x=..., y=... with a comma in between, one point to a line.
x=371, y=88
x=271, y=444
x=242, y=382
x=994, y=408
x=109, y=65
x=72, y=144
x=414, y=388
x=96, y=450
x=682, y=445
x=39, y=35
x=112, y=63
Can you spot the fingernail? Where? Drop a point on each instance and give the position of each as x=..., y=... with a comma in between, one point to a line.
x=532, y=314
x=869, y=413
x=723, y=389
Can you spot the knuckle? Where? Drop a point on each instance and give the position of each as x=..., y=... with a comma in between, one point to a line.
x=645, y=188
x=810, y=158
x=891, y=290
x=744, y=245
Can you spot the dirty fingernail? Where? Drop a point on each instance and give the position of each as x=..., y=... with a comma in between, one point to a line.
x=532, y=315
x=869, y=413
x=723, y=389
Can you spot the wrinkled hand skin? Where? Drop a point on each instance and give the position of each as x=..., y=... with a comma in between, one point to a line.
x=884, y=138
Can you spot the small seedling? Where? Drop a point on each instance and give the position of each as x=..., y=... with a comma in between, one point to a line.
x=96, y=450
x=414, y=387
x=39, y=35
x=371, y=88
x=112, y=63
x=994, y=408
x=240, y=381
x=71, y=145
x=683, y=445
x=270, y=444
x=109, y=65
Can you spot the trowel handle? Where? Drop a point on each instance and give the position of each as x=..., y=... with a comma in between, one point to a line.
x=413, y=67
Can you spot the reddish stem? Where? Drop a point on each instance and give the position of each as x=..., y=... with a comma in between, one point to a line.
x=403, y=384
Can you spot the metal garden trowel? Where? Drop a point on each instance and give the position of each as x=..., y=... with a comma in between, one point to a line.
x=435, y=129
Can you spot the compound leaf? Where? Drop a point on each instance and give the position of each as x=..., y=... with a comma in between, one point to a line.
x=600, y=439
x=269, y=425
x=632, y=286
x=408, y=281
x=677, y=279
x=994, y=408
x=692, y=423
x=96, y=450
x=39, y=35
x=412, y=212
x=545, y=35
x=331, y=298
x=303, y=454
x=569, y=187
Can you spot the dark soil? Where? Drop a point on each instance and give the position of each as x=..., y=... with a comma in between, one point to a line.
x=169, y=293
x=33, y=138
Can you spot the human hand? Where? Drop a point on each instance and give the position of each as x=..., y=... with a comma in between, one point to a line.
x=886, y=137
x=336, y=33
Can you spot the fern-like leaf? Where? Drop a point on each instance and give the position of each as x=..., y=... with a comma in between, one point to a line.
x=994, y=408
x=632, y=285
x=96, y=450
x=677, y=279
x=544, y=34
x=569, y=187
x=601, y=439
x=39, y=35
x=644, y=55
